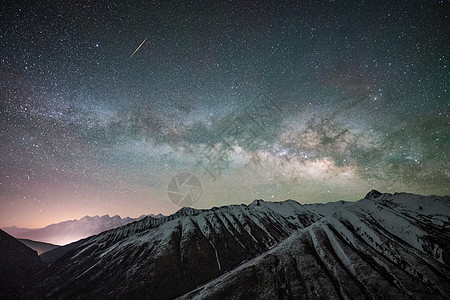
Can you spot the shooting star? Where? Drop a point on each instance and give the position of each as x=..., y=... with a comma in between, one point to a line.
x=138, y=48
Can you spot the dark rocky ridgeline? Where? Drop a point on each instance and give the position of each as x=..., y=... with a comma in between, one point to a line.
x=18, y=265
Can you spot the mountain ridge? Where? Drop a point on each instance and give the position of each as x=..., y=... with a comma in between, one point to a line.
x=334, y=247
x=176, y=245
x=397, y=243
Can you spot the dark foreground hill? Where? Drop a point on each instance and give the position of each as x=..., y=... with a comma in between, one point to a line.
x=18, y=263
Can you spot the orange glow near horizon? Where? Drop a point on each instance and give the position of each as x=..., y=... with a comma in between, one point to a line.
x=50, y=205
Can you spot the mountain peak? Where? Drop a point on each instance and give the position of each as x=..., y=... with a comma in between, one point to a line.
x=372, y=195
x=257, y=202
x=186, y=210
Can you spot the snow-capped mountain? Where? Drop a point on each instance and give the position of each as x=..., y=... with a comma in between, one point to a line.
x=384, y=246
x=69, y=231
x=167, y=257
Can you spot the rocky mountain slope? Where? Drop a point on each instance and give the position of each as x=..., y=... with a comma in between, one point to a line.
x=167, y=257
x=384, y=246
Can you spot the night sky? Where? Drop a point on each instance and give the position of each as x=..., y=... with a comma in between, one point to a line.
x=314, y=101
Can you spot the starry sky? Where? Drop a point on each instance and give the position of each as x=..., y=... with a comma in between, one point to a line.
x=313, y=100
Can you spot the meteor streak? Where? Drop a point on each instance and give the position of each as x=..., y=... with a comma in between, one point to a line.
x=138, y=48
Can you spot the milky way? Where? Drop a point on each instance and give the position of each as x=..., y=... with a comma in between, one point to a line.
x=307, y=100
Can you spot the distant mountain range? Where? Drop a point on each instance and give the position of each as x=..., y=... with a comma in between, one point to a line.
x=385, y=246
x=69, y=231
